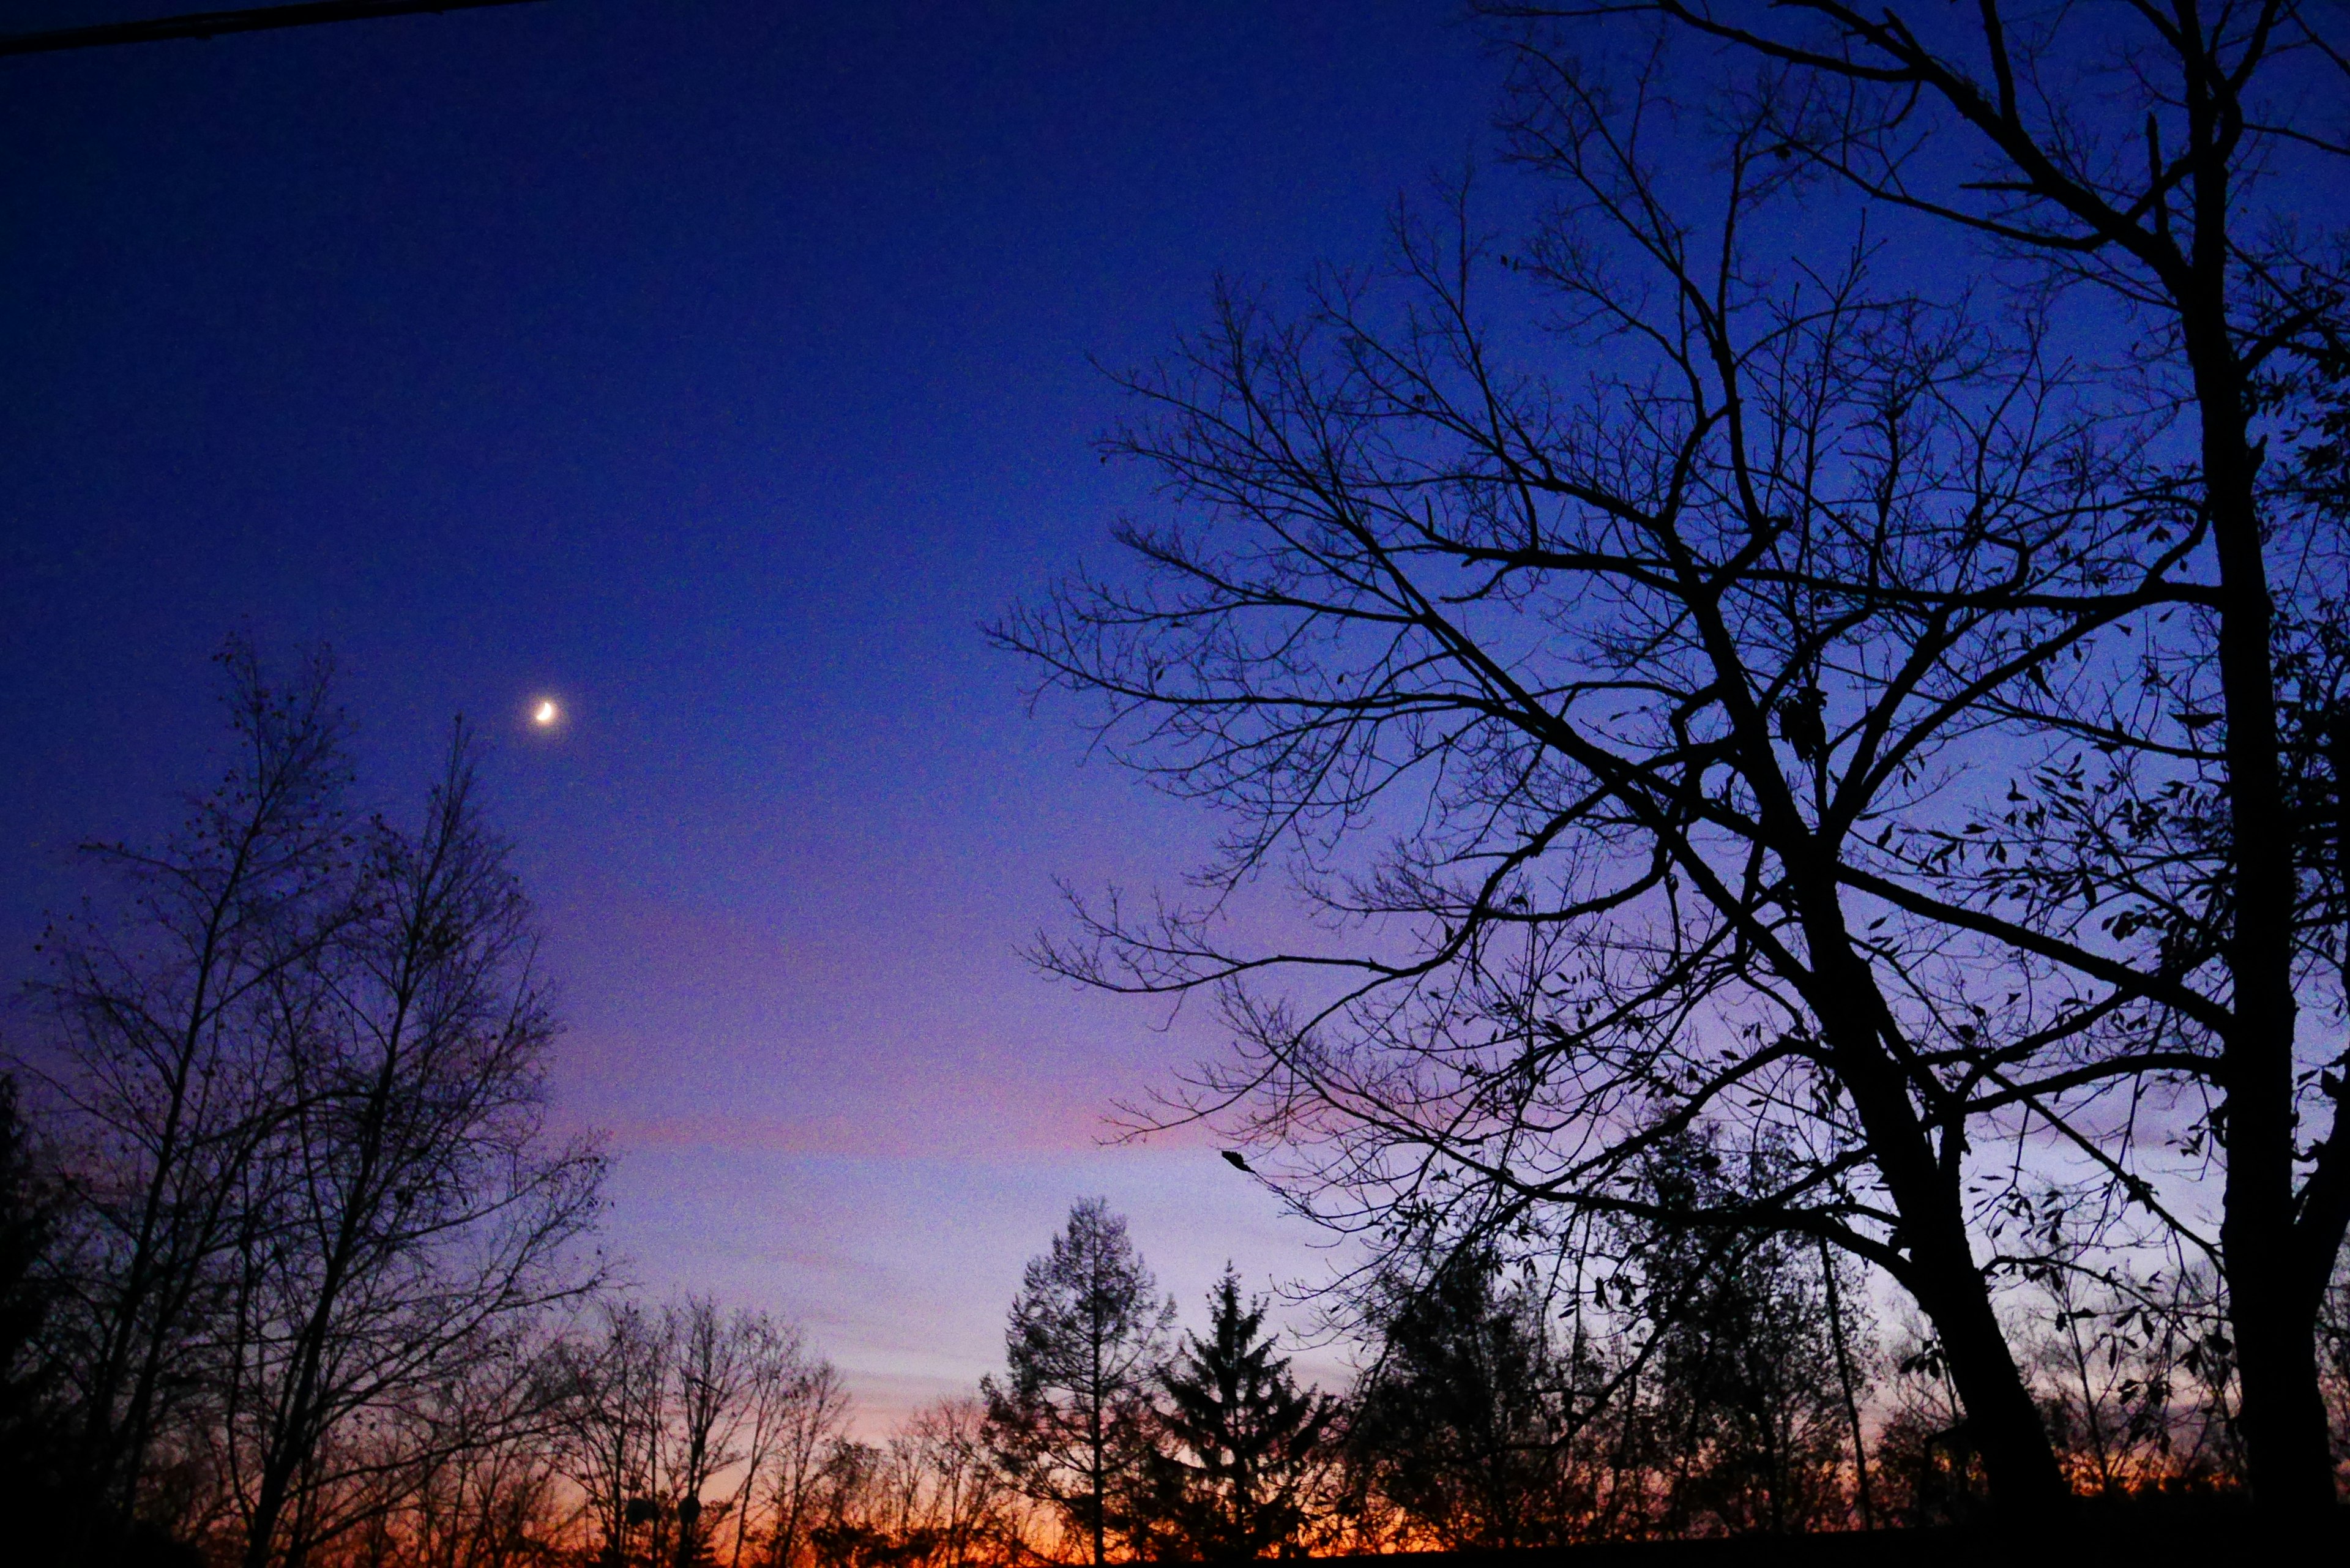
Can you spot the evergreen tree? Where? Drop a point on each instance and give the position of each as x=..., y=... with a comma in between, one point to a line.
x=1245, y=1443
x=1070, y=1425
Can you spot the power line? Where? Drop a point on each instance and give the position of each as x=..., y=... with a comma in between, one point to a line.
x=212, y=24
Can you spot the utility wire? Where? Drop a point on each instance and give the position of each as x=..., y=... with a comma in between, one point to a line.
x=212, y=24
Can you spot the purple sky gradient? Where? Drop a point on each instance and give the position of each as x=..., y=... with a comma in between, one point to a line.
x=715, y=369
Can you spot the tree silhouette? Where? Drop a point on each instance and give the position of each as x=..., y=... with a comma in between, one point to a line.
x=2160, y=159
x=1453, y=1422
x=163, y=1002
x=298, y=1065
x=1744, y=1391
x=1071, y=1421
x=1243, y=1448
x=1695, y=686
x=1516, y=673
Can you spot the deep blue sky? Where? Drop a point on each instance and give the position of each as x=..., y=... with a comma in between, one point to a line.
x=715, y=367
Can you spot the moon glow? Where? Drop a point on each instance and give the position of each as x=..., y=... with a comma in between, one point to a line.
x=546, y=713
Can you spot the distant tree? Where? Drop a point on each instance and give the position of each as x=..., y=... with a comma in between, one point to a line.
x=1744, y=1388
x=468, y=1476
x=714, y=1397
x=611, y=1402
x=697, y=1436
x=812, y=1423
x=946, y=1498
x=849, y=1528
x=1070, y=1420
x=932, y=1496
x=1242, y=1449
x=780, y=1379
x=1453, y=1422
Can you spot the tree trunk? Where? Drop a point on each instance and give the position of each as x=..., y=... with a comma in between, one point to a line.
x=2282, y=1413
x=2027, y=1485
x=1861, y=1494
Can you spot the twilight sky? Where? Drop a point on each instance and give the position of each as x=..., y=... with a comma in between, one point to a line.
x=715, y=367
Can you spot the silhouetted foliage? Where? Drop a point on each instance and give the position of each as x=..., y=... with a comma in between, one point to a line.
x=1711, y=662
x=1071, y=1421
x=1743, y=1397
x=1244, y=1453
x=1453, y=1423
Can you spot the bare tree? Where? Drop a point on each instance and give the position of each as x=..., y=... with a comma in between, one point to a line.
x=780, y=1379
x=687, y=1425
x=932, y=1496
x=711, y=1385
x=165, y=1056
x=955, y=1498
x=2164, y=156
x=813, y=1422
x=613, y=1389
x=298, y=1068
x=408, y=1208
x=1588, y=708
x=463, y=1475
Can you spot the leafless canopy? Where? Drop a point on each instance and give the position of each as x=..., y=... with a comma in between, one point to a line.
x=1689, y=686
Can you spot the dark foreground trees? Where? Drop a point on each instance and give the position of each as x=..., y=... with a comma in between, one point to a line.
x=297, y=1058
x=1717, y=669
x=2176, y=164
x=408, y=1213
x=168, y=1053
x=1575, y=653
x=1675, y=1381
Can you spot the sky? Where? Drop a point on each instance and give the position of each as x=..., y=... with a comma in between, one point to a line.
x=714, y=368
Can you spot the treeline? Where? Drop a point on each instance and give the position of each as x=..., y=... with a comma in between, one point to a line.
x=1650, y=1380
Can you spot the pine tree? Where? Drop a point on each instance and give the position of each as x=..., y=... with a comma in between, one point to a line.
x=1242, y=1446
